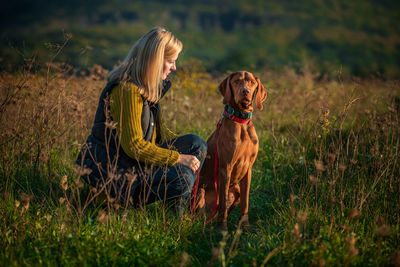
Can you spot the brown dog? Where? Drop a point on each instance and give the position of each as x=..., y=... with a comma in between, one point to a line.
x=237, y=146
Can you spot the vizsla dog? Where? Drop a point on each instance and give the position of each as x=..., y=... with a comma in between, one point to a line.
x=236, y=143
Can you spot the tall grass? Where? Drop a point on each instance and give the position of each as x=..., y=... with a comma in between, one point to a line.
x=325, y=187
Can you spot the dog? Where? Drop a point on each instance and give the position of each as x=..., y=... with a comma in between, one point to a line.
x=236, y=143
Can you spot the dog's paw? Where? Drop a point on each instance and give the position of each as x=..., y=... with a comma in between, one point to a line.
x=244, y=222
x=200, y=201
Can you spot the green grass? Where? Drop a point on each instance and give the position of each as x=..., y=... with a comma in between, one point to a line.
x=325, y=186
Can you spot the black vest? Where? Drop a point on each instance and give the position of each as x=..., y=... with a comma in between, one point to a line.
x=149, y=117
x=95, y=151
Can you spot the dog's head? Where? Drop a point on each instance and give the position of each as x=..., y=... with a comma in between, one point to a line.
x=240, y=89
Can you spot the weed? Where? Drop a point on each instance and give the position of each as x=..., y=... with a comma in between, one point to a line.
x=325, y=185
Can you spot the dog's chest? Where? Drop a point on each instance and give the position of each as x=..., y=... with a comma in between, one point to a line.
x=244, y=154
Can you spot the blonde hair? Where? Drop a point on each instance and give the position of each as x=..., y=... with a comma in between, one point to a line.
x=144, y=63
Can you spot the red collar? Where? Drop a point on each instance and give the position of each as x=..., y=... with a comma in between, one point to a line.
x=234, y=118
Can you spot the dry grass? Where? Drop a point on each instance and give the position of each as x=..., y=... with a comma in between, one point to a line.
x=325, y=185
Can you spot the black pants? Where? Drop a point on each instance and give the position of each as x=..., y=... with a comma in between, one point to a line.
x=172, y=184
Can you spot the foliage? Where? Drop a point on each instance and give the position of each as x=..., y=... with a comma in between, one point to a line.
x=360, y=38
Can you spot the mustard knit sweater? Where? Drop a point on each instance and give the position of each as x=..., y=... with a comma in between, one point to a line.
x=126, y=106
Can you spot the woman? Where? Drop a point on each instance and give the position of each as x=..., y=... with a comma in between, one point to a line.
x=130, y=153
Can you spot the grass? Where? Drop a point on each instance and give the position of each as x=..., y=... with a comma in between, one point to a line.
x=325, y=186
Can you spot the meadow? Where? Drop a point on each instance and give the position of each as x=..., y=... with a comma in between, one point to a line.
x=325, y=187
x=360, y=37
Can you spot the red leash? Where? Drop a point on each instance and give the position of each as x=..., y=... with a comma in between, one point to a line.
x=234, y=118
x=215, y=174
x=195, y=191
x=215, y=180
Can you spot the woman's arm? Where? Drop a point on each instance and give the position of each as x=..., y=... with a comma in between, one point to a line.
x=126, y=110
x=166, y=133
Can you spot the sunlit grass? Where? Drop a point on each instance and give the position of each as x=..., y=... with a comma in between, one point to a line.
x=325, y=186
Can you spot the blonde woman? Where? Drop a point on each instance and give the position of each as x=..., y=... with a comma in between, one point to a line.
x=130, y=153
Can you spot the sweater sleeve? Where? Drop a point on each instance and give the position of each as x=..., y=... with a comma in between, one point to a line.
x=126, y=109
x=166, y=133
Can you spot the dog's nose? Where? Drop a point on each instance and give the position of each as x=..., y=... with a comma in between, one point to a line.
x=246, y=91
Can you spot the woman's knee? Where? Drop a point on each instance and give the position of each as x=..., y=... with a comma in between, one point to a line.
x=198, y=144
x=187, y=180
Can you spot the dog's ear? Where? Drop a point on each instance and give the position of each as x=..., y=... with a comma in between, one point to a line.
x=261, y=94
x=225, y=89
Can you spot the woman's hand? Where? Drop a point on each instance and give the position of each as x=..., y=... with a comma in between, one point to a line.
x=190, y=161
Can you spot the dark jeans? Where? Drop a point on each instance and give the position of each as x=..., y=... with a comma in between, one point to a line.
x=172, y=184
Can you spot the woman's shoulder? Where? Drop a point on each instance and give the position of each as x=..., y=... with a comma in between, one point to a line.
x=127, y=87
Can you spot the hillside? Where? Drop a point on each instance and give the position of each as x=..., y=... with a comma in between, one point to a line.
x=357, y=38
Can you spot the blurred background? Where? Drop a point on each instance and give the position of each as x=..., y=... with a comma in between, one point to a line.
x=356, y=38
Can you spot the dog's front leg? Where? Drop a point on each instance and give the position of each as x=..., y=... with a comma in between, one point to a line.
x=223, y=191
x=244, y=199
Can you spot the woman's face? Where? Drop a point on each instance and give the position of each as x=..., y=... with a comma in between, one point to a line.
x=169, y=65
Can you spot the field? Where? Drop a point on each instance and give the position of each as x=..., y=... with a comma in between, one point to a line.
x=325, y=186
x=359, y=37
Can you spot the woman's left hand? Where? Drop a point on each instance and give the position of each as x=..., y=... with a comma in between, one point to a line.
x=189, y=161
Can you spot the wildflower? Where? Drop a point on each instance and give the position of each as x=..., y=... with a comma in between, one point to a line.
x=5, y=195
x=326, y=112
x=342, y=167
x=81, y=171
x=380, y=220
x=25, y=199
x=383, y=231
x=110, y=199
x=319, y=166
x=302, y=216
x=64, y=183
x=48, y=217
x=292, y=211
x=314, y=180
x=79, y=183
x=110, y=124
x=353, y=213
x=353, y=252
x=114, y=176
x=124, y=217
x=45, y=157
x=331, y=157
x=103, y=217
x=116, y=206
x=131, y=176
x=296, y=231
x=345, y=227
x=352, y=240
x=184, y=259
x=68, y=35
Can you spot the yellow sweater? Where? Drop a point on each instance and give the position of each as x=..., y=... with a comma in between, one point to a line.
x=126, y=106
